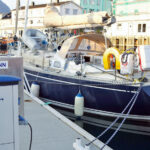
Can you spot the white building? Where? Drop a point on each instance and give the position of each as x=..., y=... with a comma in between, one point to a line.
x=132, y=18
x=35, y=17
x=132, y=24
x=75, y=1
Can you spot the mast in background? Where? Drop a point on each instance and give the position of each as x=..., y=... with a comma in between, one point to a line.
x=26, y=15
x=17, y=12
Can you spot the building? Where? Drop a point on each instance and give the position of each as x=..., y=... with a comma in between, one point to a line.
x=96, y=5
x=35, y=17
x=75, y=1
x=132, y=23
x=130, y=7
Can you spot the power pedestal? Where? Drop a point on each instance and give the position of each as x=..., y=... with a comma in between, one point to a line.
x=9, y=126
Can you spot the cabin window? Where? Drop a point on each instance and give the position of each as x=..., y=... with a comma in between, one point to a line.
x=57, y=64
x=75, y=11
x=67, y=11
x=144, y=27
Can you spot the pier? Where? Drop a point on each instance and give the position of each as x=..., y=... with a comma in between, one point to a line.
x=51, y=130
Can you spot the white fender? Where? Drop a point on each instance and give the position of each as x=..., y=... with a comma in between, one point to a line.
x=35, y=89
x=79, y=105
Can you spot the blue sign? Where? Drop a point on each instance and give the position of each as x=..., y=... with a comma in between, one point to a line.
x=3, y=64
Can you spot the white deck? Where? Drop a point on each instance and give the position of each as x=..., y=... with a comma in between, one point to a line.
x=50, y=132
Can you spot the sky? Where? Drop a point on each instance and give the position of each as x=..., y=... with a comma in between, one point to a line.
x=12, y=3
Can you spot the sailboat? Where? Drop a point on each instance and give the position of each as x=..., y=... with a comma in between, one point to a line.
x=107, y=78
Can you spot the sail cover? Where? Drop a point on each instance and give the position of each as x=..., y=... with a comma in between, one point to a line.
x=52, y=18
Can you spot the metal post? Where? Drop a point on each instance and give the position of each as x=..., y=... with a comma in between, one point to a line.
x=104, y=31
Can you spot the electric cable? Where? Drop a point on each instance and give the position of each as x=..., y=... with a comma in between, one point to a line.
x=30, y=135
x=24, y=122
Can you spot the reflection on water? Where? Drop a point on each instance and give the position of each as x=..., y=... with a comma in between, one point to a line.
x=122, y=140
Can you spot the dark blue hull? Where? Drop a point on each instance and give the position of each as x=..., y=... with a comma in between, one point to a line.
x=98, y=95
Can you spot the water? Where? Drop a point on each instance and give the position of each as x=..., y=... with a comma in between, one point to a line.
x=122, y=140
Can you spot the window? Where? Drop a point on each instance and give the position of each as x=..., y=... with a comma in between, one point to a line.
x=57, y=64
x=98, y=2
x=92, y=2
x=20, y=32
x=139, y=27
x=91, y=10
x=144, y=27
x=85, y=2
x=75, y=11
x=119, y=26
x=84, y=11
x=67, y=11
x=31, y=21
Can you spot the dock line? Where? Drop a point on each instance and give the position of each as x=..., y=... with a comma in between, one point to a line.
x=132, y=102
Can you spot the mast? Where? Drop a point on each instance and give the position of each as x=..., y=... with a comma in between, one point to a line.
x=26, y=14
x=17, y=12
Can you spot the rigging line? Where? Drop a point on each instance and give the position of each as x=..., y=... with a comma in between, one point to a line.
x=99, y=86
x=120, y=115
x=108, y=83
x=116, y=131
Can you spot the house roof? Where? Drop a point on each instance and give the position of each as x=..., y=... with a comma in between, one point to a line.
x=44, y=5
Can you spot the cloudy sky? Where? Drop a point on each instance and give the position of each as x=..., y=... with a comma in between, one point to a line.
x=12, y=3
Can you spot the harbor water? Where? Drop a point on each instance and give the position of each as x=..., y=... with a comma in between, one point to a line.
x=121, y=141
